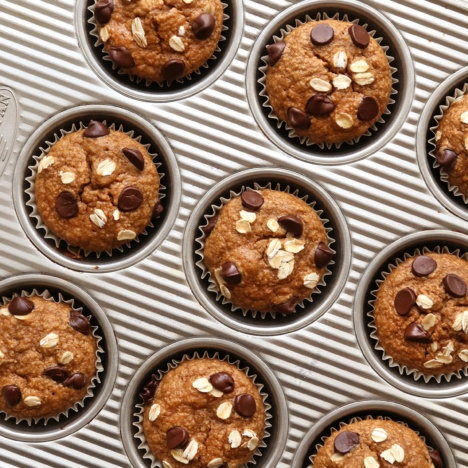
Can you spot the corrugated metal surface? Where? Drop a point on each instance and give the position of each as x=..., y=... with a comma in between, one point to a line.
x=213, y=135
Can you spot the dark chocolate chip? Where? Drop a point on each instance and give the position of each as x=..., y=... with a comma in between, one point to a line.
x=157, y=209
x=292, y=224
x=173, y=69
x=203, y=26
x=320, y=106
x=135, y=157
x=12, y=394
x=404, y=300
x=121, y=57
x=346, y=441
x=275, y=51
x=222, y=381
x=130, y=199
x=103, y=11
x=436, y=459
x=245, y=405
x=230, y=273
x=79, y=322
x=423, y=266
x=76, y=381
x=446, y=157
x=150, y=390
x=252, y=200
x=368, y=109
x=176, y=437
x=96, y=130
x=298, y=119
x=359, y=36
x=286, y=307
x=454, y=285
x=20, y=306
x=57, y=373
x=322, y=34
x=323, y=255
x=211, y=225
x=416, y=333
x=66, y=205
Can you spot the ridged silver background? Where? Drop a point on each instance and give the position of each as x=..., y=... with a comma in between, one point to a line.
x=213, y=135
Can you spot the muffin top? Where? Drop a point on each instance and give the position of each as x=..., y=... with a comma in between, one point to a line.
x=97, y=188
x=204, y=413
x=373, y=444
x=47, y=357
x=159, y=40
x=267, y=250
x=421, y=313
x=329, y=80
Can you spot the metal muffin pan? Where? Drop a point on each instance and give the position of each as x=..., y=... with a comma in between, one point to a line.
x=171, y=180
x=271, y=454
x=374, y=408
x=55, y=430
x=334, y=282
x=367, y=145
x=154, y=92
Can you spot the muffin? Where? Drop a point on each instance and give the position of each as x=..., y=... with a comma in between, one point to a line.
x=267, y=250
x=329, y=80
x=204, y=413
x=47, y=357
x=97, y=189
x=159, y=40
x=373, y=443
x=420, y=313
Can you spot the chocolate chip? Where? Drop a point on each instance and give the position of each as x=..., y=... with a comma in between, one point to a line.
x=211, y=225
x=252, y=200
x=323, y=255
x=275, y=51
x=446, y=157
x=66, y=205
x=12, y=394
x=454, y=285
x=157, y=209
x=96, y=130
x=245, y=405
x=286, y=307
x=150, y=390
x=230, y=273
x=368, y=109
x=56, y=373
x=76, y=381
x=130, y=199
x=436, y=459
x=322, y=34
x=79, y=322
x=20, y=306
x=404, y=301
x=121, y=57
x=203, y=26
x=292, y=224
x=416, y=333
x=359, y=36
x=176, y=437
x=103, y=11
x=297, y=119
x=135, y=157
x=222, y=381
x=423, y=266
x=173, y=69
x=320, y=106
x=346, y=441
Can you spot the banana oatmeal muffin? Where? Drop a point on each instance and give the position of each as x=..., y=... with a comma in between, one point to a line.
x=204, y=413
x=421, y=313
x=97, y=188
x=329, y=80
x=267, y=250
x=47, y=357
x=159, y=40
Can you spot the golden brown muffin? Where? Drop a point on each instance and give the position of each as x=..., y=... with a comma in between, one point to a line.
x=47, y=357
x=329, y=80
x=159, y=40
x=373, y=444
x=204, y=413
x=421, y=313
x=267, y=251
x=97, y=188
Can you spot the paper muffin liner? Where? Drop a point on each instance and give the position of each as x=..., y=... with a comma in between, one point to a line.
x=213, y=287
x=98, y=363
x=292, y=133
x=31, y=191
x=404, y=369
x=140, y=435
x=444, y=176
x=137, y=79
